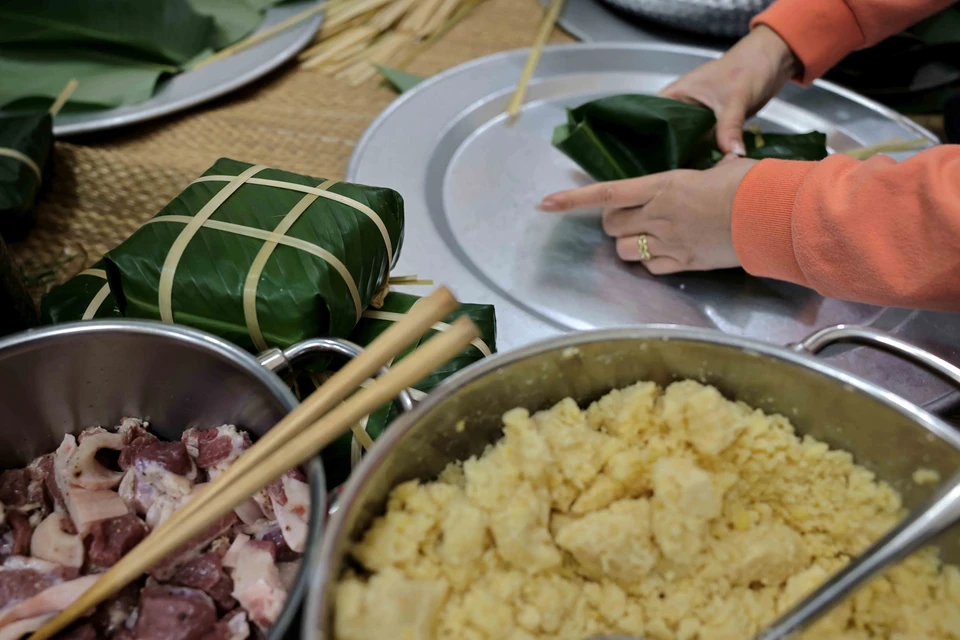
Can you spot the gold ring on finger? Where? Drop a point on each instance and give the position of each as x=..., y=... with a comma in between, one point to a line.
x=642, y=246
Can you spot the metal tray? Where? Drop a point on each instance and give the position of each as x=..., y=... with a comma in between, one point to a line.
x=725, y=18
x=471, y=184
x=186, y=90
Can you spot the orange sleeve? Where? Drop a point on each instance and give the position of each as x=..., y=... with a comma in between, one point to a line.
x=876, y=231
x=822, y=32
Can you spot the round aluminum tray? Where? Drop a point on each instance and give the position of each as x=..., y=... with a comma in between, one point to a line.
x=471, y=185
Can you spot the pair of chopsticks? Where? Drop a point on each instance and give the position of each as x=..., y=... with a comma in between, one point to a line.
x=322, y=418
x=546, y=28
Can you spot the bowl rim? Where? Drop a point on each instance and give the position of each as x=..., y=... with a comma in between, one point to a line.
x=216, y=347
x=318, y=596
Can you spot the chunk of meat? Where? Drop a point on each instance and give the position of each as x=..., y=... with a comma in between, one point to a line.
x=44, y=468
x=20, y=628
x=215, y=449
x=50, y=542
x=142, y=488
x=270, y=531
x=82, y=631
x=257, y=584
x=117, y=614
x=174, y=613
x=110, y=540
x=84, y=470
x=233, y=626
x=168, y=566
x=22, y=578
x=147, y=452
x=132, y=428
x=51, y=600
x=205, y=572
x=20, y=487
x=290, y=498
x=15, y=535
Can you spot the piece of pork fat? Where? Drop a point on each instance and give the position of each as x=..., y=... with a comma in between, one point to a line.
x=269, y=530
x=159, y=477
x=20, y=628
x=110, y=540
x=84, y=506
x=290, y=498
x=50, y=542
x=257, y=584
x=83, y=468
x=174, y=613
x=51, y=600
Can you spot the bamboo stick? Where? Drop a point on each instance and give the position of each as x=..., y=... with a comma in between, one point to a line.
x=266, y=34
x=416, y=20
x=887, y=146
x=358, y=39
x=389, y=16
x=439, y=18
x=546, y=28
x=356, y=9
x=64, y=96
x=462, y=12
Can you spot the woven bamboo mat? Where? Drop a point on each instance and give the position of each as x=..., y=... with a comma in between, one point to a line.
x=106, y=185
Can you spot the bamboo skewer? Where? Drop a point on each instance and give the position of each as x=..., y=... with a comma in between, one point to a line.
x=266, y=34
x=64, y=96
x=546, y=28
x=434, y=353
x=887, y=146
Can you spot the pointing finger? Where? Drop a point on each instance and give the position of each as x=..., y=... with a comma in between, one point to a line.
x=607, y=195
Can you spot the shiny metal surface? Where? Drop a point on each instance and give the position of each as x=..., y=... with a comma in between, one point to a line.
x=189, y=89
x=886, y=434
x=281, y=361
x=730, y=18
x=61, y=379
x=471, y=184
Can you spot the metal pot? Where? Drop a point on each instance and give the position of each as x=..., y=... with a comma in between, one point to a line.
x=887, y=434
x=61, y=379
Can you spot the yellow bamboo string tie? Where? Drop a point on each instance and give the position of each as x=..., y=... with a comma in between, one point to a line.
x=165, y=288
x=63, y=97
x=546, y=28
x=101, y=295
x=263, y=256
x=439, y=326
x=887, y=146
x=257, y=38
x=315, y=431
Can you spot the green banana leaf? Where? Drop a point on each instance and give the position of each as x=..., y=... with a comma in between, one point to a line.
x=628, y=136
x=233, y=19
x=340, y=456
x=33, y=78
x=401, y=80
x=26, y=142
x=17, y=311
x=632, y=135
x=319, y=273
x=165, y=31
x=85, y=296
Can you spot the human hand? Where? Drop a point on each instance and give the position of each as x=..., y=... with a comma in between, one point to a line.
x=737, y=85
x=684, y=215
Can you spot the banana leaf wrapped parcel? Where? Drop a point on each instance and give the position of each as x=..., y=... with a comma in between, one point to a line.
x=26, y=142
x=344, y=454
x=629, y=136
x=85, y=296
x=260, y=257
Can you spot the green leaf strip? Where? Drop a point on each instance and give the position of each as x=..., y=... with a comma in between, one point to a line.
x=256, y=269
x=336, y=197
x=165, y=292
x=440, y=326
x=98, y=299
x=296, y=243
x=22, y=157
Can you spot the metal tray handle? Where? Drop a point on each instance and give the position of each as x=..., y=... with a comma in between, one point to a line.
x=880, y=340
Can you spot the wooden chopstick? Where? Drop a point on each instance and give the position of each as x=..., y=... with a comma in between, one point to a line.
x=546, y=28
x=433, y=354
x=257, y=38
x=382, y=350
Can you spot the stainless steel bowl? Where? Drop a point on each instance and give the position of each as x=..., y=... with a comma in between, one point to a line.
x=887, y=434
x=59, y=380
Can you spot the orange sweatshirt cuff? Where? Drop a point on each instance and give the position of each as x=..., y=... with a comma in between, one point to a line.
x=762, y=221
x=821, y=34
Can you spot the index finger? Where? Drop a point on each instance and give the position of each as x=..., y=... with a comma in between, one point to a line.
x=619, y=194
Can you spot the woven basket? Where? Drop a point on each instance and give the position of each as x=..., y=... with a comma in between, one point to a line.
x=725, y=18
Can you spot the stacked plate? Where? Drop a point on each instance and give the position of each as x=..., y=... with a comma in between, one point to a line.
x=724, y=18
